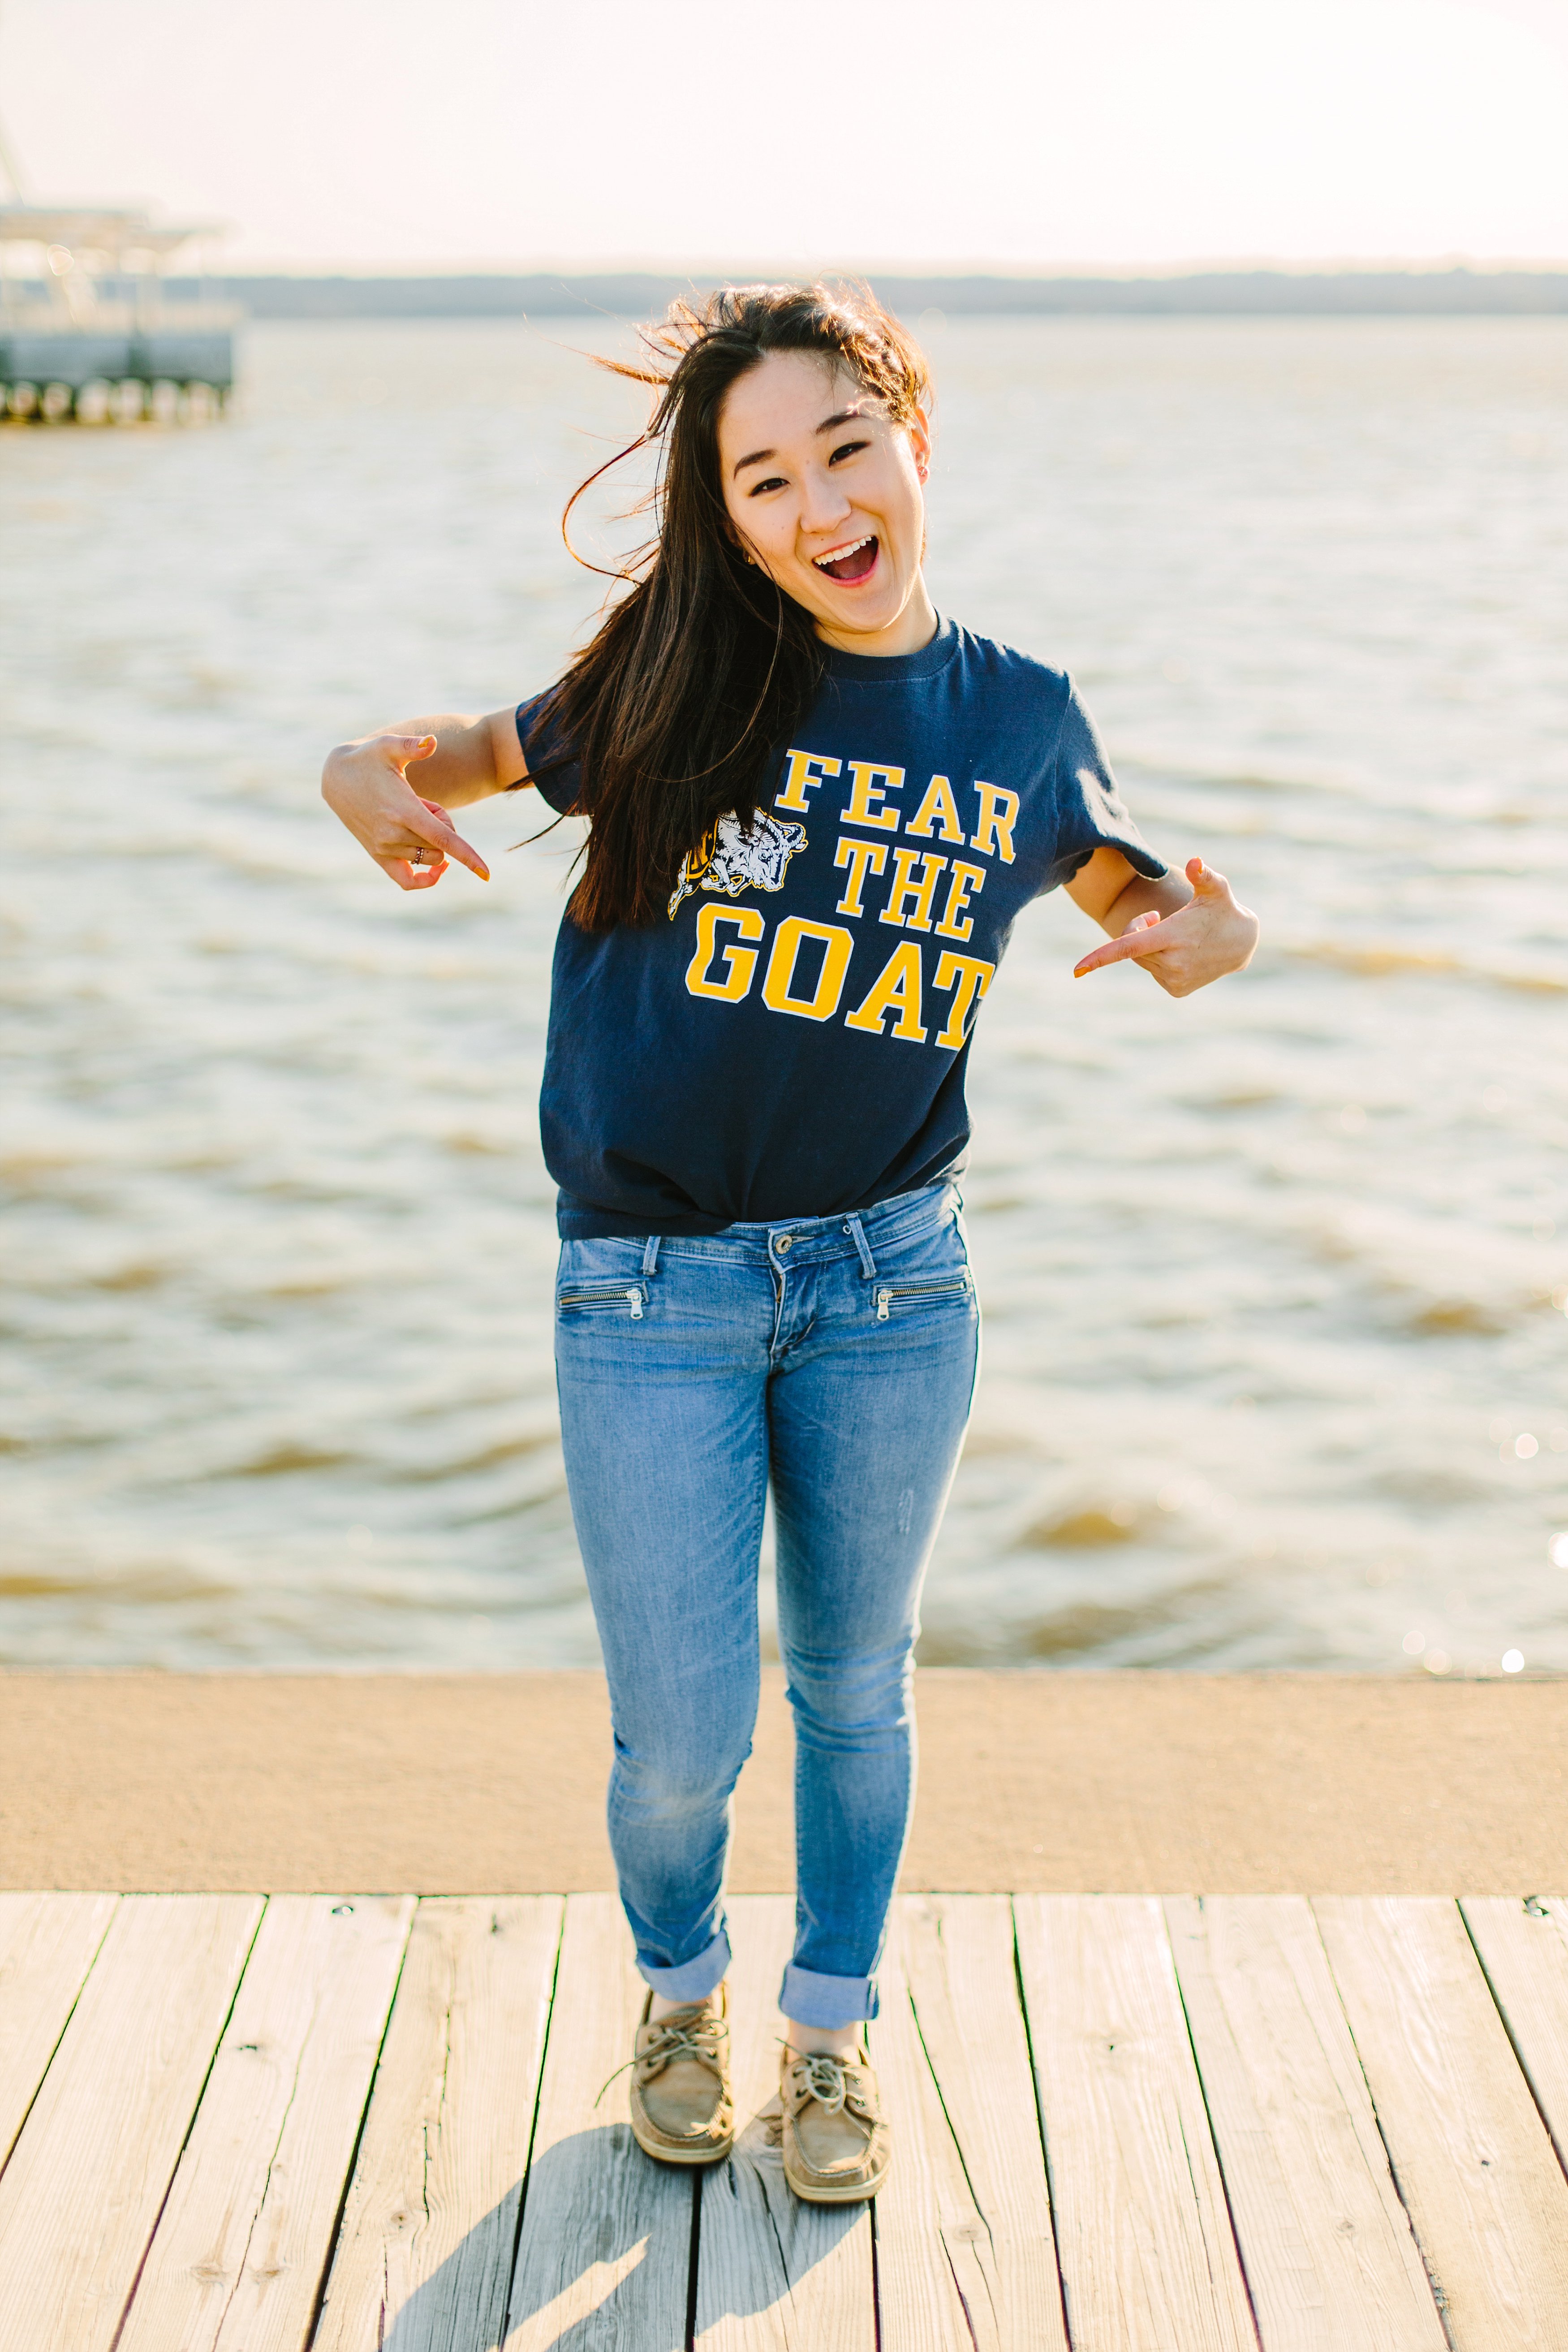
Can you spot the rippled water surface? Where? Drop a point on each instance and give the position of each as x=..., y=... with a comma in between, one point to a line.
x=1273, y=1279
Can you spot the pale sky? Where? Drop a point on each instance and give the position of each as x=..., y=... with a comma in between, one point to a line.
x=511, y=133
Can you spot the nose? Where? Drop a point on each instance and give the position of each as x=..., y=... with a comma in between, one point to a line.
x=823, y=504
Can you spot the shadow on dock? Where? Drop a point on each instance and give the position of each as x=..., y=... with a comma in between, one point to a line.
x=519, y=2277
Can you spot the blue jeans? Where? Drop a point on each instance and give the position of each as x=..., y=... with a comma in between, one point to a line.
x=836, y=1356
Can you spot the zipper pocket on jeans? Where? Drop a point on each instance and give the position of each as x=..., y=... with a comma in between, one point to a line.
x=903, y=1293
x=604, y=1294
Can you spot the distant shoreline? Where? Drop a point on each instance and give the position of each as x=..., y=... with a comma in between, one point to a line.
x=1272, y=293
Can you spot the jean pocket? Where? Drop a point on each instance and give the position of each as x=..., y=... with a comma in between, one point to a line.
x=602, y=1298
x=899, y=1297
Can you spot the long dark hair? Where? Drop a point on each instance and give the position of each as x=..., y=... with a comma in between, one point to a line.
x=703, y=667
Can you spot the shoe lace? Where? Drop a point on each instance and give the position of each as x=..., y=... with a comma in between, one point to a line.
x=827, y=2078
x=696, y=2038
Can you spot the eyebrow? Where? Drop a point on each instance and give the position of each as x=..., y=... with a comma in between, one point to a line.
x=758, y=457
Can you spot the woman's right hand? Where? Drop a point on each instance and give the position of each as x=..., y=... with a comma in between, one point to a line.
x=364, y=785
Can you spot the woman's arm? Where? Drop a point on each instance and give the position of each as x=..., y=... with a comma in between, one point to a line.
x=462, y=759
x=1185, y=933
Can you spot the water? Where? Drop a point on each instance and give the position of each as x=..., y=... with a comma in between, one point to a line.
x=1273, y=1279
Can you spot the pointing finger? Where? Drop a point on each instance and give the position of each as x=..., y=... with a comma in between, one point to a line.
x=439, y=835
x=1143, y=938
x=454, y=846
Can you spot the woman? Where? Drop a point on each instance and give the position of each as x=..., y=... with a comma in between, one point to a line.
x=815, y=811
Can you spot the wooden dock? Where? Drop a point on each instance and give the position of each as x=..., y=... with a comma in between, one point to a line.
x=231, y=2123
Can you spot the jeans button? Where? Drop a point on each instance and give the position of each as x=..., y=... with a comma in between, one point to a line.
x=783, y=1243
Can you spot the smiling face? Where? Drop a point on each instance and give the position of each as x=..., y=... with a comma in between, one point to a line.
x=827, y=494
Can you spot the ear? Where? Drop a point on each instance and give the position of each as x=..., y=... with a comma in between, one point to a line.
x=919, y=431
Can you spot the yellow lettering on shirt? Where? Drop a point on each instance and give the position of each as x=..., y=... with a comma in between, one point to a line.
x=896, y=991
x=954, y=924
x=968, y=978
x=866, y=796
x=778, y=981
x=937, y=815
x=739, y=962
x=803, y=769
x=862, y=858
x=912, y=890
x=998, y=813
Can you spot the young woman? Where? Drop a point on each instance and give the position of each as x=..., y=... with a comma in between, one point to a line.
x=816, y=810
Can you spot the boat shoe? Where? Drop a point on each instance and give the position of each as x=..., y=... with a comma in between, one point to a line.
x=682, y=2111
x=836, y=2142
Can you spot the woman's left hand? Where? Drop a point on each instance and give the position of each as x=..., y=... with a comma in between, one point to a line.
x=1211, y=935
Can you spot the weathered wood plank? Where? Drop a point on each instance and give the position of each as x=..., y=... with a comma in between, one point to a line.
x=930, y=2273
x=1524, y=1947
x=90, y=2171
x=1326, y=2244
x=47, y=1943
x=773, y=2276
x=236, y=2260
x=956, y=1955
x=606, y=2242
x=424, y=2257
x=1148, y=2260
x=1475, y=2168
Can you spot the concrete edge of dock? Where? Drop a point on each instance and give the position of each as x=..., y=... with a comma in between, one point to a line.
x=1126, y=1782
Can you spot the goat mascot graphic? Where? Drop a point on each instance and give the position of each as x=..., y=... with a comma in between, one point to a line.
x=734, y=858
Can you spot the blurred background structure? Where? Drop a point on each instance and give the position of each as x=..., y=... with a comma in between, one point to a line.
x=86, y=331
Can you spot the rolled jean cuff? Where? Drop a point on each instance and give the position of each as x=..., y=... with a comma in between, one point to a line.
x=826, y=2002
x=693, y=1979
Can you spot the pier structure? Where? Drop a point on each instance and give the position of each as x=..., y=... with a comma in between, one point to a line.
x=89, y=332
x=1322, y=2107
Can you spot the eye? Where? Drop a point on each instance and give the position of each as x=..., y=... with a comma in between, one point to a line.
x=847, y=449
x=774, y=482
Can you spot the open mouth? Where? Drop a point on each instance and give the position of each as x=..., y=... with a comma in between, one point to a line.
x=848, y=564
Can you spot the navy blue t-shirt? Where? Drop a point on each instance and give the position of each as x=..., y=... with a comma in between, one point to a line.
x=789, y=1039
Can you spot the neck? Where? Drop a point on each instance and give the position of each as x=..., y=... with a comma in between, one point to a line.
x=914, y=627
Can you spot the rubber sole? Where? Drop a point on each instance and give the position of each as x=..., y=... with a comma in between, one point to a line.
x=859, y=2194
x=663, y=2154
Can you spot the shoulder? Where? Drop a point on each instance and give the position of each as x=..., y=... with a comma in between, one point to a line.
x=994, y=666
x=1022, y=697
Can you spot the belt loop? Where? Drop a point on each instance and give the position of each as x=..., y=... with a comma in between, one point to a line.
x=857, y=1231
x=650, y=1256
